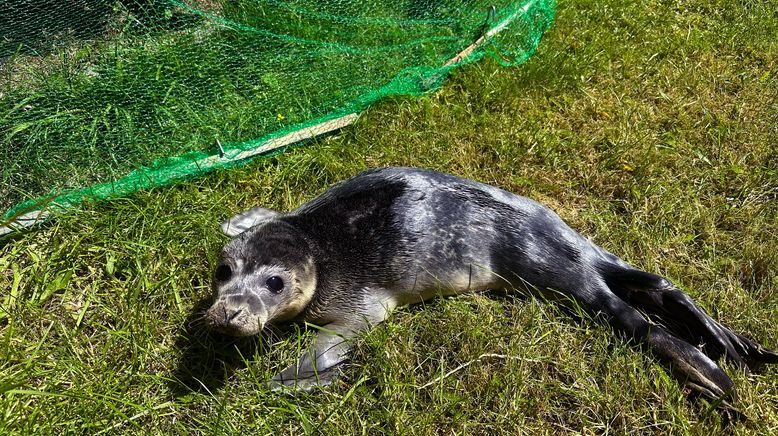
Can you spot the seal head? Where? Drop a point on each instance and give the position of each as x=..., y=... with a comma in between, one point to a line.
x=266, y=274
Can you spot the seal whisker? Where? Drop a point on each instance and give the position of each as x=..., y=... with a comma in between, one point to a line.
x=198, y=320
x=273, y=333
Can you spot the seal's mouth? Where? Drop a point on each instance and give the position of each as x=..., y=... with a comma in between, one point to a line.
x=232, y=320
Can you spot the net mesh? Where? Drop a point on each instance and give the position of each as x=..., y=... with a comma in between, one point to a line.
x=105, y=97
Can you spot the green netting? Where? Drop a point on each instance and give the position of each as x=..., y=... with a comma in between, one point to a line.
x=105, y=97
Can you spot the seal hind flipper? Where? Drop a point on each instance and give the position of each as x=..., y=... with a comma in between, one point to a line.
x=661, y=299
x=685, y=337
x=687, y=363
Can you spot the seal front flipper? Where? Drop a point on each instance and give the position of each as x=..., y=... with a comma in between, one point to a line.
x=246, y=220
x=319, y=364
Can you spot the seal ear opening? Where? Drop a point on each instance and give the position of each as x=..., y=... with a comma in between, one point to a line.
x=246, y=220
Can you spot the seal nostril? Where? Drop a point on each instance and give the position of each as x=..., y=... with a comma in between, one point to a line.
x=223, y=273
x=234, y=314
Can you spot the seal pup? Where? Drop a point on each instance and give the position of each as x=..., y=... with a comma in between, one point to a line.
x=396, y=236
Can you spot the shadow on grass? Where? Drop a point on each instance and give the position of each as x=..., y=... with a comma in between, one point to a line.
x=208, y=358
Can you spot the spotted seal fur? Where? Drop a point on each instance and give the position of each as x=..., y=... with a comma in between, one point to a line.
x=396, y=236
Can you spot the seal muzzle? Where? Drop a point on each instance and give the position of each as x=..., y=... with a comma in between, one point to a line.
x=234, y=319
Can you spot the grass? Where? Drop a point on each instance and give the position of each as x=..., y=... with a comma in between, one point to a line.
x=649, y=127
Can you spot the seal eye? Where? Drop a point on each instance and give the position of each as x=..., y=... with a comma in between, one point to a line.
x=223, y=273
x=275, y=284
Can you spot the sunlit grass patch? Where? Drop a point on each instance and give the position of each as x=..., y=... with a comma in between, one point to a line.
x=651, y=129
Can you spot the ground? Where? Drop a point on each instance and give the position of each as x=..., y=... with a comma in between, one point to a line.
x=649, y=126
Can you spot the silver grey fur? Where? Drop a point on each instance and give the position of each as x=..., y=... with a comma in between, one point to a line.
x=396, y=236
